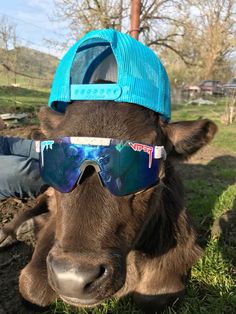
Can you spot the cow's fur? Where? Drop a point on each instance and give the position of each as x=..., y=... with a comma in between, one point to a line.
x=146, y=241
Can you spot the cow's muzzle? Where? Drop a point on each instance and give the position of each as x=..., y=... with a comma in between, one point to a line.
x=83, y=279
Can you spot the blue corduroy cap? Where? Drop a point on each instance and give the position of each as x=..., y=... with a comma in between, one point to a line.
x=137, y=74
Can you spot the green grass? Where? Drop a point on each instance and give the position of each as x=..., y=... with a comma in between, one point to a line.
x=124, y=306
x=225, y=138
x=212, y=288
x=17, y=99
x=210, y=191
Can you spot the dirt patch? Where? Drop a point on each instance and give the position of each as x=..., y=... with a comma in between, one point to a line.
x=14, y=258
x=208, y=154
x=21, y=131
x=204, y=164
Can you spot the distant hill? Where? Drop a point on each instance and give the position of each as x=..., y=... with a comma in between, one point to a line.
x=34, y=62
x=30, y=63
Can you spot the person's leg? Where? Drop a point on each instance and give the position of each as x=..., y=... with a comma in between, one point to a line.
x=18, y=146
x=19, y=177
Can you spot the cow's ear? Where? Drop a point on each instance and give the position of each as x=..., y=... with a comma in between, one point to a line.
x=186, y=137
x=49, y=120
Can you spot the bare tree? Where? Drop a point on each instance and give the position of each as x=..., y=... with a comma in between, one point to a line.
x=85, y=15
x=211, y=38
x=161, y=25
x=7, y=33
x=7, y=42
x=199, y=35
x=156, y=21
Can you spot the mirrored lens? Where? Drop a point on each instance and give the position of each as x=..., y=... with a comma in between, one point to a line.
x=60, y=164
x=128, y=171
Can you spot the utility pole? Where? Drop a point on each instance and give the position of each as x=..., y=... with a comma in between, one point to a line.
x=135, y=18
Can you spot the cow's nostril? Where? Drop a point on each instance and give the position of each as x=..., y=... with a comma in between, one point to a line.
x=88, y=276
x=99, y=275
x=102, y=271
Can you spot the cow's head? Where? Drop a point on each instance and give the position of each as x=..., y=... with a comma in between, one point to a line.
x=96, y=230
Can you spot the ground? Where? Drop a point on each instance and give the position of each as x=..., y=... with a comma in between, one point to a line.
x=13, y=259
x=203, y=165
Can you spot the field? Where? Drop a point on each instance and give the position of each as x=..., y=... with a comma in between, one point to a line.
x=209, y=179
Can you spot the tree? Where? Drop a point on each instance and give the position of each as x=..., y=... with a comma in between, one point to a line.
x=155, y=22
x=85, y=15
x=210, y=36
x=199, y=35
x=7, y=34
x=7, y=42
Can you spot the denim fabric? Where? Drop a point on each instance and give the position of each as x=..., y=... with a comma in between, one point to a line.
x=19, y=168
x=18, y=146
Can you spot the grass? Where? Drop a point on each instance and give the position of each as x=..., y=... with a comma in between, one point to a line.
x=210, y=191
x=212, y=288
x=225, y=138
x=124, y=306
x=18, y=99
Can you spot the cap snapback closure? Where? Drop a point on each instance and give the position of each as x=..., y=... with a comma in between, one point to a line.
x=95, y=91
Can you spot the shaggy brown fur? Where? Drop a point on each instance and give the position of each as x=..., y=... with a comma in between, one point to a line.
x=141, y=245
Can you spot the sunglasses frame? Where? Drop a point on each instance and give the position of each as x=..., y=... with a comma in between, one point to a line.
x=156, y=152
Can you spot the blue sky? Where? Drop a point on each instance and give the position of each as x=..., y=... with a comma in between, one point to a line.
x=34, y=25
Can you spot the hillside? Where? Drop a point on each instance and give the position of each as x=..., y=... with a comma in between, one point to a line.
x=27, y=68
x=34, y=62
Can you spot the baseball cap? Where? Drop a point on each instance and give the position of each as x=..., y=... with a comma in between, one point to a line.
x=133, y=72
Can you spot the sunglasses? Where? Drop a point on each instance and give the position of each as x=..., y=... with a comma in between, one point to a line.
x=124, y=167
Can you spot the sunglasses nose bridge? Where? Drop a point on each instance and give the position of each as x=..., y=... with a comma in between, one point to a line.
x=89, y=163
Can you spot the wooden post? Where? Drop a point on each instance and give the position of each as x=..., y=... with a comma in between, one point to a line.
x=135, y=18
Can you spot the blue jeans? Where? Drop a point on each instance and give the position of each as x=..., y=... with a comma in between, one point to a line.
x=19, y=168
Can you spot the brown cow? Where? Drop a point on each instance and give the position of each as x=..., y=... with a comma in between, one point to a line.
x=95, y=245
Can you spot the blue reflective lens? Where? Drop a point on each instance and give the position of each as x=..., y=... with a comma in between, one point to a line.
x=124, y=167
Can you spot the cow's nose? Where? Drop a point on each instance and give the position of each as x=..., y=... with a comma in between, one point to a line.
x=79, y=281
